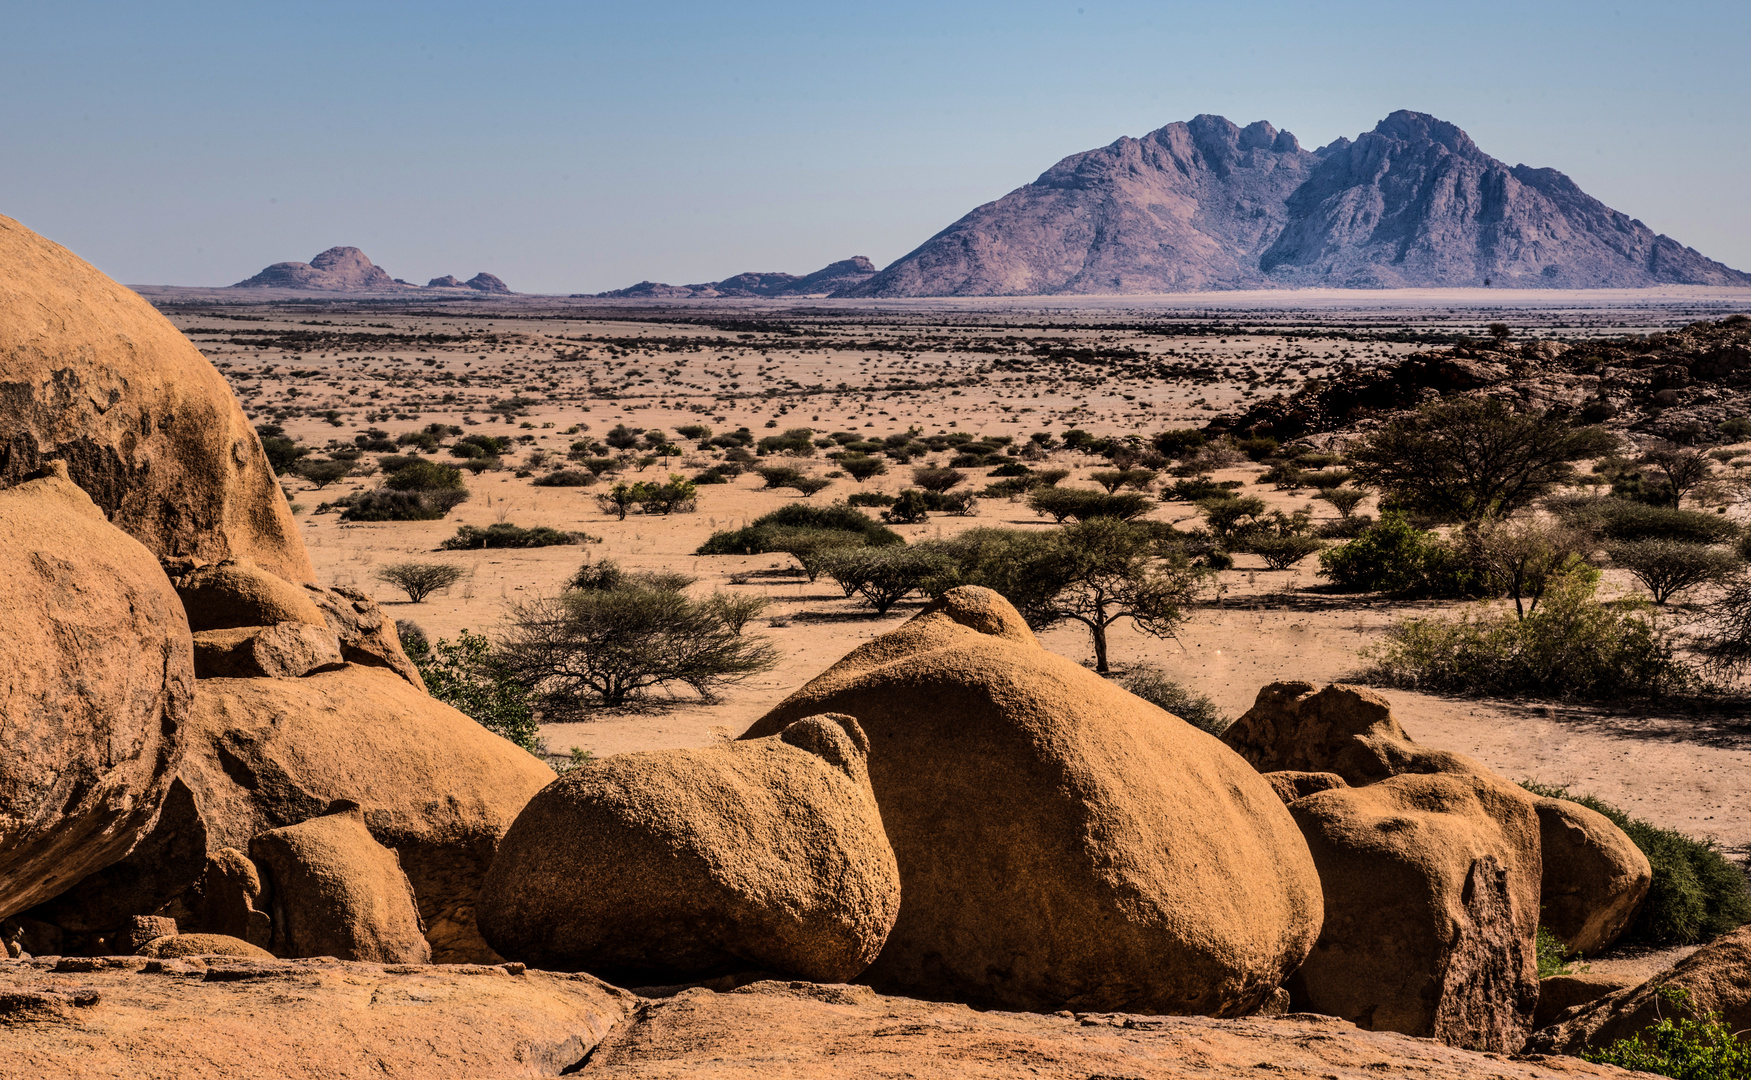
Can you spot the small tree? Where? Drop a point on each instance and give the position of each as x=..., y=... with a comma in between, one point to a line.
x=323, y=473
x=618, y=500
x=1500, y=331
x=937, y=480
x=809, y=485
x=1232, y=517
x=611, y=645
x=861, y=467
x=1668, y=567
x=1682, y=469
x=419, y=579
x=737, y=610
x=1343, y=499
x=1522, y=558
x=883, y=576
x=1468, y=459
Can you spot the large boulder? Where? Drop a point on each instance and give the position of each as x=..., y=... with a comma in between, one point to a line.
x=1061, y=843
x=182, y=946
x=1716, y=978
x=669, y=865
x=1594, y=876
x=91, y=374
x=337, y=892
x=267, y=753
x=1431, y=908
x=99, y=679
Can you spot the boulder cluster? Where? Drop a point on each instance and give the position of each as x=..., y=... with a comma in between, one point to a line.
x=210, y=757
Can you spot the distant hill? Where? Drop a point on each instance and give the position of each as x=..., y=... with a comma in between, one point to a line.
x=845, y=274
x=347, y=269
x=1209, y=205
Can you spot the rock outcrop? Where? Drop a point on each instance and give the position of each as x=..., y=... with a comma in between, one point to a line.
x=671, y=865
x=266, y=753
x=98, y=689
x=337, y=892
x=339, y=269
x=1717, y=978
x=1061, y=843
x=844, y=274
x=236, y=1018
x=1209, y=205
x=183, y=946
x=1431, y=907
x=793, y=1031
x=91, y=374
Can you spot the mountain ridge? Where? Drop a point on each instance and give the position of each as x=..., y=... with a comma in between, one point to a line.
x=347, y=269
x=833, y=277
x=1206, y=204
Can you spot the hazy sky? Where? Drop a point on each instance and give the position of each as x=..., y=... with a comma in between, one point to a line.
x=572, y=147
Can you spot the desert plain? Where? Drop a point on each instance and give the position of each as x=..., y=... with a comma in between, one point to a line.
x=548, y=372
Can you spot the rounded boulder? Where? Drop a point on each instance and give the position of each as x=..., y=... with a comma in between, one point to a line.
x=674, y=865
x=99, y=680
x=92, y=374
x=1062, y=843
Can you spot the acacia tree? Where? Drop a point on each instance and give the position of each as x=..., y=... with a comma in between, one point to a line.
x=1683, y=470
x=1096, y=572
x=1522, y=558
x=1470, y=459
x=419, y=579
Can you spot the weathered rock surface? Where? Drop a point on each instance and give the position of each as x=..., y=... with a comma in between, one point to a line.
x=236, y=592
x=676, y=864
x=1208, y=205
x=339, y=269
x=1061, y=843
x=182, y=946
x=134, y=1018
x=337, y=892
x=99, y=682
x=91, y=374
x=1594, y=876
x=1431, y=907
x=1560, y=993
x=1717, y=977
x=283, y=651
x=778, y=1031
x=267, y=753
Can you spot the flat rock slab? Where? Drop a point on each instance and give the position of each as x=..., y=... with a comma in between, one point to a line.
x=778, y=1030
x=230, y=1019
x=205, y=1019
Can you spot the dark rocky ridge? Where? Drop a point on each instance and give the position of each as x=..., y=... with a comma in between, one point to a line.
x=1680, y=385
x=845, y=274
x=347, y=269
x=1209, y=205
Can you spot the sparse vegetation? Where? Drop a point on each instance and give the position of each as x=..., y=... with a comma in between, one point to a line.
x=1151, y=683
x=505, y=535
x=468, y=676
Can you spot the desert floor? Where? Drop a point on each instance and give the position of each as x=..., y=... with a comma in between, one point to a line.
x=1116, y=366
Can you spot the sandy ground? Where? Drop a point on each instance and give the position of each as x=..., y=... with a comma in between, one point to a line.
x=938, y=367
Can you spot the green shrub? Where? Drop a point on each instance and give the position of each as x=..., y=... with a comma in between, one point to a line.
x=883, y=575
x=1668, y=567
x=1572, y=646
x=1198, y=488
x=1552, y=954
x=1284, y=550
x=754, y=538
x=505, y=535
x=480, y=446
x=869, y=498
x=422, y=475
x=1080, y=504
x=1151, y=683
x=387, y=504
x=566, y=478
x=1392, y=556
x=419, y=580
x=1614, y=519
x=1698, y=1047
x=466, y=676
x=1696, y=894
x=910, y=507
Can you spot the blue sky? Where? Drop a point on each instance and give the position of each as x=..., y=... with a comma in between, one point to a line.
x=584, y=146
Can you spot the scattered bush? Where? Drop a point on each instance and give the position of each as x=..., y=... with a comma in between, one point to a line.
x=883, y=575
x=869, y=498
x=1394, y=557
x=1281, y=551
x=737, y=610
x=1344, y=500
x=1079, y=504
x=861, y=467
x=469, y=678
x=937, y=480
x=1197, y=489
x=387, y=504
x=323, y=473
x=419, y=580
x=1113, y=479
x=762, y=531
x=1571, y=647
x=910, y=507
x=282, y=452
x=505, y=535
x=1152, y=684
x=566, y=478
x=1621, y=519
x=1698, y=1047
